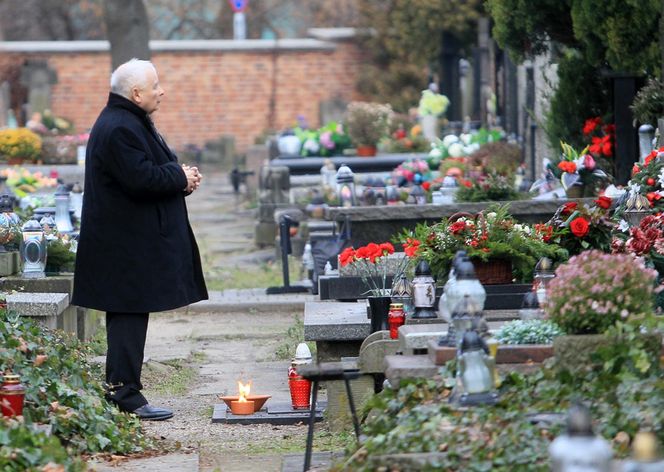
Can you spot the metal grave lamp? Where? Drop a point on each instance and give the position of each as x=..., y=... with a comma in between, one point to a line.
x=467, y=283
x=62, y=218
x=579, y=448
x=637, y=206
x=544, y=274
x=645, y=455
x=9, y=221
x=392, y=195
x=33, y=249
x=346, y=186
x=48, y=225
x=461, y=320
x=443, y=309
x=424, y=291
x=418, y=195
x=76, y=200
x=530, y=307
x=402, y=292
x=476, y=370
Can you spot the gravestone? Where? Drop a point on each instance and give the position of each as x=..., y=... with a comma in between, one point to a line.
x=332, y=110
x=4, y=103
x=38, y=78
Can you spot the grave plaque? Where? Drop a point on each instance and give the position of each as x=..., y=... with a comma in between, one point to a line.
x=38, y=78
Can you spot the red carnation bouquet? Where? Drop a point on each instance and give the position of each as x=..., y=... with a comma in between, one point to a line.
x=578, y=227
x=374, y=264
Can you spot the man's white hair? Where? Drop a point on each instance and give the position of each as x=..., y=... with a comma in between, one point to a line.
x=132, y=73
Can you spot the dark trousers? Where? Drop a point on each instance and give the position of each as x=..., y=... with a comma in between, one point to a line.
x=125, y=335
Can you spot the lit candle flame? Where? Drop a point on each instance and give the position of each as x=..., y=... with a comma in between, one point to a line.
x=244, y=390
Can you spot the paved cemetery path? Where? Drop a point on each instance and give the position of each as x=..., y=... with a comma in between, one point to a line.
x=195, y=355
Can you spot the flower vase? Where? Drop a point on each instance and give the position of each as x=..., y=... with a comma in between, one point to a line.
x=429, y=127
x=575, y=191
x=379, y=308
x=366, y=151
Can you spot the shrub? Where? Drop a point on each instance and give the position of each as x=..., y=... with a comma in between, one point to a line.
x=648, y=105
x=368, y=123
x=63, y=391
x=497, y=157
x=20, y=142
x=528, y=332
x=594, y=290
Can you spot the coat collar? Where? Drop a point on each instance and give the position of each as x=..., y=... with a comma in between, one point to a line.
x=118, y=101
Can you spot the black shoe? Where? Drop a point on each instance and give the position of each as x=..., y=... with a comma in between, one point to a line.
x=149, y=412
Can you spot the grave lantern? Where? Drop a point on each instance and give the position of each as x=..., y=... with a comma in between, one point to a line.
x=530, y=307
x=345, y=186
x=392, y=195
x=62, y=218
x=645, y=456
x=476, y=369
x=48, y=226
x=9, y=221
x=33, y=249
x=418, y=195
x=466, y=284
x=443, y=309
x=76, y=200
x=460, y=322
x=543, y=275
x=637, y=207
x=424, y=291
x=579, y=448
x=402, y=292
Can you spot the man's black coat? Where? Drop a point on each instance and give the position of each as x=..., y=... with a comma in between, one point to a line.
x=136, y=250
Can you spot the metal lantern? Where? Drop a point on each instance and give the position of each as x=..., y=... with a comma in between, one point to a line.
x=460, y=322
x=402, y=292
x=543, y=275
x=443, y=309
x=476, y=371
x=466, y=284
x=418, y=195
x=579, y=448
x=637, y=207
x=424, y=291
x=646, y=136
x=530, y=307
x=33, y=249
x=76, y=200
x=62, y=217
x=47, y=222
x=346, y=186
x=9, y=221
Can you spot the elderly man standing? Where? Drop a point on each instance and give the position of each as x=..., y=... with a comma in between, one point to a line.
x=137, y=253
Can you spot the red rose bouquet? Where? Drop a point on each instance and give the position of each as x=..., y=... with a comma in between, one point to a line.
x=576, y=227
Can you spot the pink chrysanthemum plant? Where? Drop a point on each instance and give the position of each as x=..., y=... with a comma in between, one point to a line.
x=594, y=291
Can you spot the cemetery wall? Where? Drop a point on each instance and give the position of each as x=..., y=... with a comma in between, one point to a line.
x=213, y=88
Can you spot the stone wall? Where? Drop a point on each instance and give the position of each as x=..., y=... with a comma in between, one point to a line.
x=213, y=88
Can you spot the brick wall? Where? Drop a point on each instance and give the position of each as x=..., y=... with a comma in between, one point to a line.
x=209, y=92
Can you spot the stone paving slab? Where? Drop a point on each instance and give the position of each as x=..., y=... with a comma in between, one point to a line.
x=171, y=462
x=246, y=299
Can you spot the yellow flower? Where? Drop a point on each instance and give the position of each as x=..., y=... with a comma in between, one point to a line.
x=20, y=142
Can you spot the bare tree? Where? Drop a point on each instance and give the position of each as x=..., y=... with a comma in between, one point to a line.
x=128, y=30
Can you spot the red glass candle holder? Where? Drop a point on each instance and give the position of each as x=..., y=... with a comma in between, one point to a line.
x=12, y=395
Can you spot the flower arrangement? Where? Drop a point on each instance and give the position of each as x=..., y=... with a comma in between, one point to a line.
x=648, y=180
x=374, y=265
x=490, y=235
x=22, y=181
x=578, y=169
x=486, y=188
x=594, y=290
x=403, y=139
x=602, y=137
x=405, y=172
x=367, y=123
x=528, y=332
x=329, y=140
x=577, y=228
x=20, y=143
x=645, y=240
x=432, y=103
